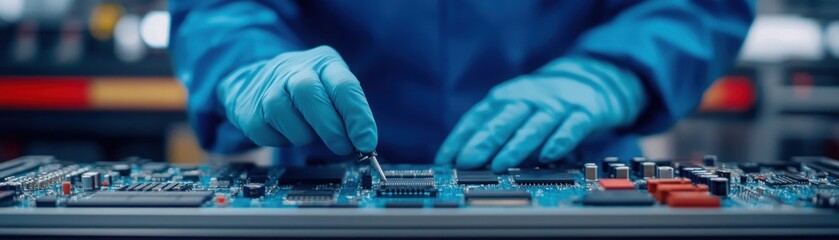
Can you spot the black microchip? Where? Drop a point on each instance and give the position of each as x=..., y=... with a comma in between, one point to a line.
x=6, y=198
x=749, y=167
x=618, y=198
x=48, y=201
x=476, y=177
x=410, y=173
x=409, y=187
x=797, y=178
x=156, y=187
x=312, y=175
x=310, y=195
x=785, y=180
x=328, y=205
x=403, y=205
x=497, y=197
x=542, y=177
x=446, y=205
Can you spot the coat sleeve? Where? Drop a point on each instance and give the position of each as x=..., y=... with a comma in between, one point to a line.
x=676, y=47
x=210, y=40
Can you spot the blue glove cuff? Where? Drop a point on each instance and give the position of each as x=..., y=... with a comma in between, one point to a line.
x=622, y=89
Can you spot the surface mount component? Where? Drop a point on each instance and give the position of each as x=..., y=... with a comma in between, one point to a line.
x=312, y=175
x=143, y=199
x=590, y=170
x=156, y=186
x=408, y=187
x=327, y=205
x=424, y=173
x=542, y=177
x=310, y=195
x=498, y=198
x=403, y=205
x=665, y=172
x=253, y=190
x=476, y=177
x=616, y=184
x=618, y=198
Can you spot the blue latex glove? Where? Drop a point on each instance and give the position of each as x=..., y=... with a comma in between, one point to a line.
x=554, y=108
x=286, y=100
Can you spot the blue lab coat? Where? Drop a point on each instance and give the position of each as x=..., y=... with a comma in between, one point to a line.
x=423, y=63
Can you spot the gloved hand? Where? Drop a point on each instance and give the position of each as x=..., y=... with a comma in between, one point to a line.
x=554, y=108
x=288, y=99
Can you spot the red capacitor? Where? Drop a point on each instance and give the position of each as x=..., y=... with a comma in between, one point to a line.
x=66, y=187
x=616, y=184
x=693, y=200
x=653, y=184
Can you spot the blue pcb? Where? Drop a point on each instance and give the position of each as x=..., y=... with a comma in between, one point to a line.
x=38, y=181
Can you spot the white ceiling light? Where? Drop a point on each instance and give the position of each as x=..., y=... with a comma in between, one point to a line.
x=783, y=37
x=11, y=10
x=832, y=38
x=154, y=29
x=127, y=43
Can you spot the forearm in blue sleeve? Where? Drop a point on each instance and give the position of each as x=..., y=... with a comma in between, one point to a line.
x=676, y=47
x=212, y=39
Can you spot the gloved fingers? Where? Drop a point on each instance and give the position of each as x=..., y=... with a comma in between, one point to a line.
x=464, y=129
x=280, y=113
x=309, y=96
x=570, y=132
x=262, y=134
x=527, y=139
x=349, y=100
x=492, y=135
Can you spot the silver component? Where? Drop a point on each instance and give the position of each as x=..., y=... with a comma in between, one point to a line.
x=591, y=172
x=89, y=182
x=665, y=172
x=622, y=172
x=213, y=182
x=612, y=170
x=649, y=169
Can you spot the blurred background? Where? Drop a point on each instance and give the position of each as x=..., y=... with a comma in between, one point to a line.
x=90, y=80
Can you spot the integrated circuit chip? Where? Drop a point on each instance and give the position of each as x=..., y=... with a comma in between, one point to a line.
x=312, y=175
x=310, y=195
x=327, y=205
x=784, y=180
x=403, y=205
x=497, y=198
x=409, y=187
x=425, y=173
x=143, y=199
x=446, y=205
x=542, y=177
x=476, y=177
x=618, y=198
x=156, y=187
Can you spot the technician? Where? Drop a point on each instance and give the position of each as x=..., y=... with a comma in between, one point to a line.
x=476, y=83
